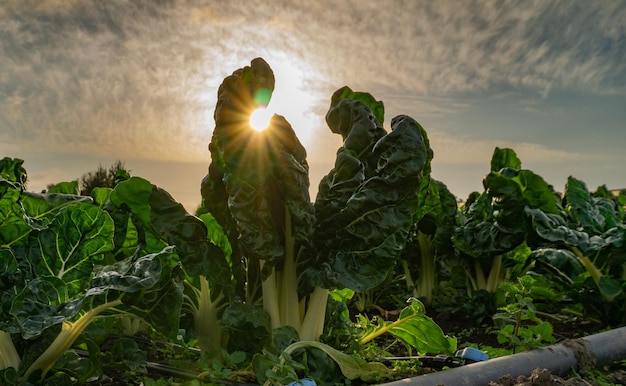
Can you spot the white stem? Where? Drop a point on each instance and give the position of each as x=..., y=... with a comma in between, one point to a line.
x=8, y=354
x=313, y=324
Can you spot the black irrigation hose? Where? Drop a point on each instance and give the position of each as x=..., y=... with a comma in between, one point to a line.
x=560, y=359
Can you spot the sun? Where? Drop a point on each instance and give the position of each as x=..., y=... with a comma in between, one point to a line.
x=260, y=118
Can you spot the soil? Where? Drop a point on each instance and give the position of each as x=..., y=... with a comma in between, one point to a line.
x=467, y=333
x=565, y=331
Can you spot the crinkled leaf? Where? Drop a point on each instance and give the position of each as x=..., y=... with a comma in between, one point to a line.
x=248, y=326
x=554, y=228
x=44, y=302
x=256, y=180
x=150, y=288
x=377, y=107
x=560, y=263
x=361, y=240
x=42, y=207
x=504, y=158
x=14, y=229
x=167, y=222
x=10, y=273
x=11, y=169
x=69, y=246
x=594, y=214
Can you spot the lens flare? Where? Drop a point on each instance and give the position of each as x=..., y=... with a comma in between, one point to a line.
x=260, y=118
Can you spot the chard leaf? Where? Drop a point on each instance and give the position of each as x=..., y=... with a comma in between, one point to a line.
x=42, y=207
x=69, y=246
x=415, y=330
x=69, y=187
x=154, y=281
x=44, y=302
x=10, y=273
x=14, y=229
x=149, y=286
x=594, y=214
x=11, y=169
x=376, y=107
x=162, y=221
x=365, y=221
x=562, y=264
x=351, y=366
x=504, y=158
x=256, y=180
x=555, y=228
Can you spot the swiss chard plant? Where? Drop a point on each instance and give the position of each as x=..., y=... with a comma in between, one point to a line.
x=293, y=251
x=585, y=241
x=287, y=253
x=70, y=260
x=430, y=240
x=62, y=279
x=493, y=229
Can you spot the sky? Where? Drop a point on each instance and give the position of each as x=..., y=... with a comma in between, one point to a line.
x=84, y=83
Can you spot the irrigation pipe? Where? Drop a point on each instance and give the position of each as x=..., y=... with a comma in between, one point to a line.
x=560, y=359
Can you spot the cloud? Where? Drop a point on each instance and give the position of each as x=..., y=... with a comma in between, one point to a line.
x=140, y=77
x=465, y=150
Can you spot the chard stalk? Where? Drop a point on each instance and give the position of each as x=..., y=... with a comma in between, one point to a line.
x=313, y=323
x=270, y=298
x=426, y=280
x=68, y=335
x=289, y=304
x=410, y=284
x=379, y=331
x=594, y=272
x=8, y=354
x=494, y=274
x=480, y=282
x=205, y=316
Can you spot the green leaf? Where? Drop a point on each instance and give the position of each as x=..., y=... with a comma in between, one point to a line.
x=154, y=284
x=504, y=158
x=69, y=187
x=42, y=207
x=14, y=229
x=562, y=264
x=75, y=240
x=44, y=302
x=11, y=169
x=351, y=366
x=166, y=222
x=363, y=223
x=610, y=287
x=377, y=107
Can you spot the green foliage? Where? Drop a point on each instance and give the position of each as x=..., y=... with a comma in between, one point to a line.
x=430, y=239
x=220, y=365
x=261, y=272
x=494, y=223
x=585, y=240
x=518, y=322
x=413, y=328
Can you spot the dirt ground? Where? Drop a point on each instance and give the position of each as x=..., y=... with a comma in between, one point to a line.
x=613, y=374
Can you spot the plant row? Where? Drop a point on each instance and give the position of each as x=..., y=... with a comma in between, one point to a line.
x=263, y=275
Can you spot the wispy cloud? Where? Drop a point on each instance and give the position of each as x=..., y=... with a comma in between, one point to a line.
x=140, y=77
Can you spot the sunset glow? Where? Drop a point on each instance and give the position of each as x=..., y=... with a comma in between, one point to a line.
x=260, y=118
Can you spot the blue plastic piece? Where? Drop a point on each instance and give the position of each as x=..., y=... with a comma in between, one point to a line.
x=472, y=355
x=303, y=382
